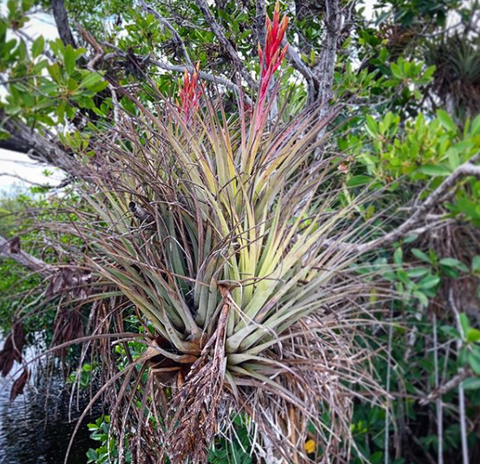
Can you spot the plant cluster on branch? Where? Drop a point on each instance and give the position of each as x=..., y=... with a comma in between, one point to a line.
x=209, y=226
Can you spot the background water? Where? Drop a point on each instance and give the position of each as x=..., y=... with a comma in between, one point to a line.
x=36, y=427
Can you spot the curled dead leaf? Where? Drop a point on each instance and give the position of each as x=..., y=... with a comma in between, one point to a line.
x=19, y=384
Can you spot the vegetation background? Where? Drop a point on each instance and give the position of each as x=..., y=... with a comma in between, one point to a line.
x=273, y=256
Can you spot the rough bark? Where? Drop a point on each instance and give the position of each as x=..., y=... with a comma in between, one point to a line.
x=219, y=32
x=26, y=140
x=61, y=20
x=260, y=18
x=10, y=249
x=325, y=68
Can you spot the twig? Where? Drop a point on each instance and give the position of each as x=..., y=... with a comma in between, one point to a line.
x=219, y=32
x=181, y=69
x=461, y=393
x=15, y=176
x=205, y=76
x=61, y=20
x=438, y=401
x=416, y=223
x=10, y=249
x=147, y=7
x=418, y=216
x=389, y=373
x=324, y=70
x=297, y=63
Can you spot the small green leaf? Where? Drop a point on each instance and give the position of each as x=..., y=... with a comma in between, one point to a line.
x=472, y=383
x=464, y=323
x=398, y=256
x=55, y=73
x=475, y=126
x=473, y=335
x=372, y=127
x=476, y=264
x=359, y=180
x=474, y=362
x=454, y=263
x=446, y=121
x=38, y=46
x=422, y=298
x=428, y=282
x=417, y=272
x=92, y=455
x=69, y=57
x=90, y=79
x=87, y=367
x=451, y=332
x=421, y=255
x=435, y=170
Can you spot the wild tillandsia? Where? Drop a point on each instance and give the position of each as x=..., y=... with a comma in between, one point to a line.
x=271, y=57
x=190, y=93
x=235, y=267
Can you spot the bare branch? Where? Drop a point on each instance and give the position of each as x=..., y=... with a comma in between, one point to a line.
x=219, y=32
x=418, y=216
x=26, y=140
x=205, y=76
x=453, y=383
x=15, y=176
x=461, y=393
x=63, y=183
x=10, y=249
x=61, y=20
x=297, y=63
x=324, y=70
x=148, y=8
x=219, y=80
x=260, y=21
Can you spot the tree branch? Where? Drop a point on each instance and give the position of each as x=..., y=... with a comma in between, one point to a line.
x=61, y=20
x=205, y=76
x=260, y=21
x=10, y=249
x=181, y=69
x=454, y=382
x=418, y=216
x=297, y=63
x=25, y=140
x=148, y=8
x=219, y=32
x=416, y=223
x=324, y=70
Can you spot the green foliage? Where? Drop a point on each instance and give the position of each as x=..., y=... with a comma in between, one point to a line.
x=44, y=92
x=422, y=150
x=107, y=452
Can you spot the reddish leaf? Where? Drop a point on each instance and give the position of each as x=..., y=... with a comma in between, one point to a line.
x=19, y=385
x=18, y=340
x=14, y=245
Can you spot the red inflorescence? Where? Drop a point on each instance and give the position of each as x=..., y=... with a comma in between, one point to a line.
x=190, y=93
x=272, y=55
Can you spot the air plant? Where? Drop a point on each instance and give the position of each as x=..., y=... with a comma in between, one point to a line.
x=457, y=77
x=271, y=57
x=236, y=267
x=190, y=93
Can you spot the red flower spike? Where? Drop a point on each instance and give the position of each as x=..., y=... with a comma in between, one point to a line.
x=190, y=93
x=271, y=56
